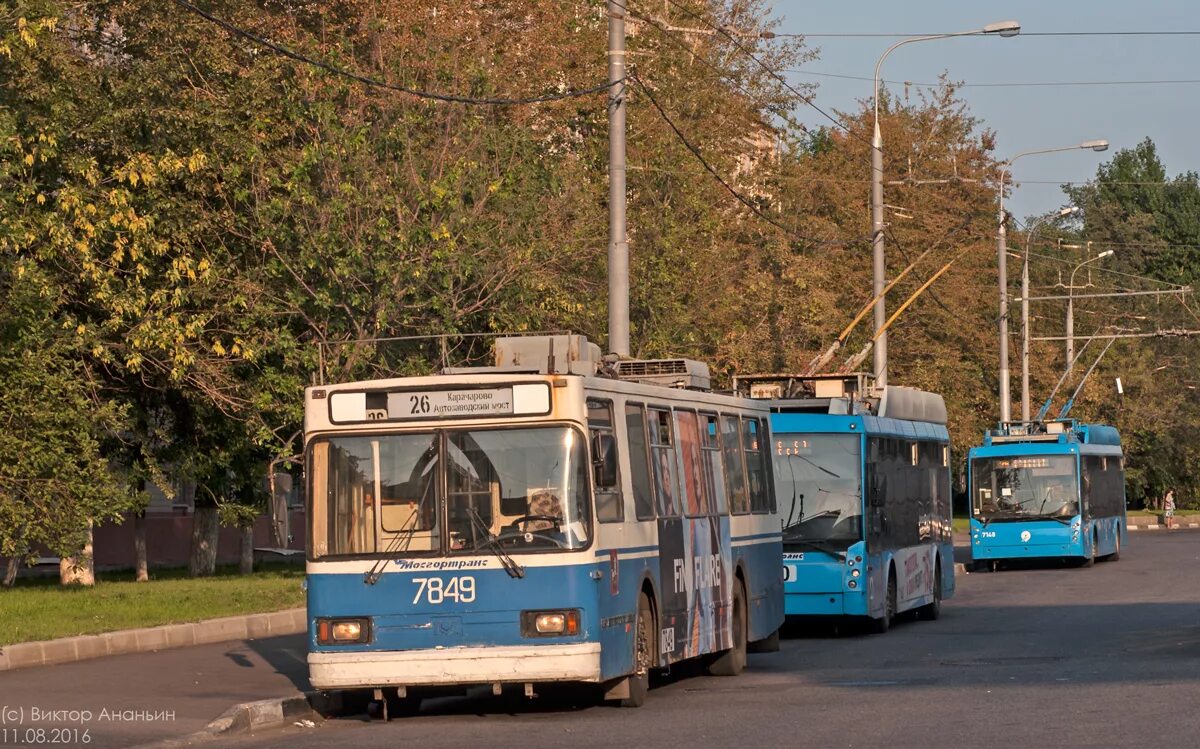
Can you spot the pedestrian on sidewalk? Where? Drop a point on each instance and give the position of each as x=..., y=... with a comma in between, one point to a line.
x=1169, y=508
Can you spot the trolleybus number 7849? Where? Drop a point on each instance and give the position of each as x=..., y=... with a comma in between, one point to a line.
x=436, y=590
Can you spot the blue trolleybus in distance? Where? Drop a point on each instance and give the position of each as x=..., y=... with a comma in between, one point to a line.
x=553, y=518
x=1047, y=489
x=863, y=485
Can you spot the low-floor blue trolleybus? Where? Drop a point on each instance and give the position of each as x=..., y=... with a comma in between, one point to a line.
x=553, y=518
x=862, y=477
x=1047, y=489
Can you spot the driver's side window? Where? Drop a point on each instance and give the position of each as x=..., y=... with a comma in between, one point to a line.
x=610, y=505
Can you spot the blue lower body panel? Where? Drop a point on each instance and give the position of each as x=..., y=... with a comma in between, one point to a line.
x=1038, y=539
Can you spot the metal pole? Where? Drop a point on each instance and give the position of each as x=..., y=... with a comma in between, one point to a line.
x=1033, y=227
x=1070, y=331
x=1002, y=262
x=879, y=268
x=618, y=246
x=1025, y=336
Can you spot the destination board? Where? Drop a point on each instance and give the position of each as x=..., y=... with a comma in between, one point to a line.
x=450, y=404
x=531, y=399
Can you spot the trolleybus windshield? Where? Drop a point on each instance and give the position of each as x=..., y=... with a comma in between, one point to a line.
x=1024, y=487
x=818, y=484
x=450, y=492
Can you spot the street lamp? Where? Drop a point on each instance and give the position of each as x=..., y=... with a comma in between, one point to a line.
x=1071, y=307
x=1033, y=227
x=879, y=270
x=1002, y=264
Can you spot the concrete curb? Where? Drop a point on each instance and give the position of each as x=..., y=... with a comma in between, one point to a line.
x=1160, y=527
x=249, y=717
x=71, y=649
x=260, y=715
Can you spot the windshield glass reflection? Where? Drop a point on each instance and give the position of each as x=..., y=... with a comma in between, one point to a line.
x=818, y=484
x=1020, y=488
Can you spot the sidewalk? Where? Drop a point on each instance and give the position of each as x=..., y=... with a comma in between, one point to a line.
x=126, y=700
x=1151, y=522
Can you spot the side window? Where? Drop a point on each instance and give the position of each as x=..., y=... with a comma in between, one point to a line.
x=639, y=461
x=755, y=465
x=693, y=483
x=1090, y=486
x=877, y=481
x=735, y=469
x=663, y=464
x=710, y=457
x=606, y=474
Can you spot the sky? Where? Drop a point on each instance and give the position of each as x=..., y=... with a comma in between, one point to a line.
x=1025, y=117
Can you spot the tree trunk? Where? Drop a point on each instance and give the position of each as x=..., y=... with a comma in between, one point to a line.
x=141, y=564
x=79, y=569
x=10, y=574
x=203, y=559
x=246, y=563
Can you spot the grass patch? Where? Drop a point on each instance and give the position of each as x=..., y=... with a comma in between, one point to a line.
x=961, y=525
x=40, y=609
x=1156, y=513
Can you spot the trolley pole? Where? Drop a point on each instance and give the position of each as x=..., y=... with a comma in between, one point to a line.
x=618, y=245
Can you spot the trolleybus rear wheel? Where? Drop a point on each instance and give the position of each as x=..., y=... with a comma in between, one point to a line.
x=644, y=654
x=731, y=662
x=1116, y=555
x=931, y=611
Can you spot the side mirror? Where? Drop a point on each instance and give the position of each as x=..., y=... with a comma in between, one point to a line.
x=604, y=460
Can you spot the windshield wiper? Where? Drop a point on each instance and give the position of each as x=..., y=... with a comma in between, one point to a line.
x=817, y=545
x=487, y=539
x=816, y=465
x=1056, y=518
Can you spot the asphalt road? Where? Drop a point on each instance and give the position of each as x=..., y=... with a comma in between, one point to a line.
x=1051, y=656
x=125, y=700
x=1101, y=657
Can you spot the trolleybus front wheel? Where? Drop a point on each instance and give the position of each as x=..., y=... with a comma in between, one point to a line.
x=1090, y=559
x=883, y=624
x=645, y=653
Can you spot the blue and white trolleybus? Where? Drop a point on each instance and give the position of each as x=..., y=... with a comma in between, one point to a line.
x=554, y=518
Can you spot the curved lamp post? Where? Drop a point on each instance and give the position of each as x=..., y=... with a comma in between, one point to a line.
x=879, y=270
x=1071, y=307
x=1002, y=264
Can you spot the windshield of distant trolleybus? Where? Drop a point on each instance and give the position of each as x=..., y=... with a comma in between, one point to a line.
x=1018, y=488
x=818, y=484
x=456, y=492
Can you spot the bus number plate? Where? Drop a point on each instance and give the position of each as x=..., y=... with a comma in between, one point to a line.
x=435, y=590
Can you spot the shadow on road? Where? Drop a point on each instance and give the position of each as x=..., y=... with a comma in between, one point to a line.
x=287, y=655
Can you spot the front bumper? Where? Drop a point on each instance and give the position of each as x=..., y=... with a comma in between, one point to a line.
x=456, y=666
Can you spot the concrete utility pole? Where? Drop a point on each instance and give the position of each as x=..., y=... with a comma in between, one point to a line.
x=878, y=264
x=618, y=244
x=1002, y=267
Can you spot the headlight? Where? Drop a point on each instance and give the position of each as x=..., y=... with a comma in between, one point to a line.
x=854, y=573
x=852, y=584
x=563, y=623
x=343, y=631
